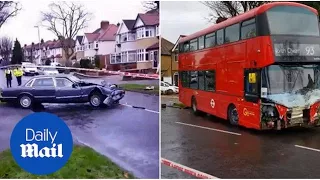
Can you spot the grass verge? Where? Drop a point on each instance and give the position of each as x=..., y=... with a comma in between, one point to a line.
x=179, y=105
x=140, y=88
x=84, y=163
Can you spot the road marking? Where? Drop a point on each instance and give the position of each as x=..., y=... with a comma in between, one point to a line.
x=149, y=110
x=187, y=170
x=212, y=129
x=304, y=147
x=152, y=111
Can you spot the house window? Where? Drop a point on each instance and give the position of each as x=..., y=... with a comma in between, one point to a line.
x=97, y=45
x=176, y=57
x=151, y=55
x=149, y=32
x=157, y=30
x=90, y=46
x=141, y=54
x=140, y=33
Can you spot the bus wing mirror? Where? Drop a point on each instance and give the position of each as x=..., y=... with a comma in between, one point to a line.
x=252, y=78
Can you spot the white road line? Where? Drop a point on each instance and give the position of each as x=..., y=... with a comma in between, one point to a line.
x=212, y=129
x=141, y=109
x=304, y=147
x=126, y=105
x=152, y=111
x=187, y=170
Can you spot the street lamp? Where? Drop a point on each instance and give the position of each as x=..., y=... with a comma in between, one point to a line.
x=39, y=44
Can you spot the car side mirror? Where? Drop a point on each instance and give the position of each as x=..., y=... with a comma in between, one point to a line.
x=74, y=85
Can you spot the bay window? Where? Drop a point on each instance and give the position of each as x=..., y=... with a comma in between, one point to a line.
x=141, y=55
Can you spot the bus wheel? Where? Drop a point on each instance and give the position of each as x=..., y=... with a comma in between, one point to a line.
x=194, y=106
x=233, y=115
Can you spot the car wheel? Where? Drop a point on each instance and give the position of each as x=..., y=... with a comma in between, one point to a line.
x=170, y=91
x=95, y=100
x=25, y=101
x=233, y=115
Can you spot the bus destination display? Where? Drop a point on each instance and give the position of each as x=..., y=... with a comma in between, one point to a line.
x=296, y=49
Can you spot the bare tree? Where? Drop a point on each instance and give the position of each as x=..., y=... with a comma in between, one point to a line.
x=8, y=9
x=151, y=5
x=5, y=48
x=65, y=20
x=227, y=9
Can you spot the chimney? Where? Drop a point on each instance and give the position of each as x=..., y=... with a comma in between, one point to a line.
x=104, y=24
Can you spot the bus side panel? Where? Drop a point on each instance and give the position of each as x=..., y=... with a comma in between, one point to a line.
x=249, y=114
x=235, y=58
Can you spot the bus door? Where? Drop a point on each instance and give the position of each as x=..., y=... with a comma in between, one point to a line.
x=249, y=112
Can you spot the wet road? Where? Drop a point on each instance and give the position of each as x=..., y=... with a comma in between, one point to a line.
x=199, y=143
x=128, y=136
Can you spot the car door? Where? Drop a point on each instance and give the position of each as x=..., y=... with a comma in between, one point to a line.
x=67, y=91
x=43, y=89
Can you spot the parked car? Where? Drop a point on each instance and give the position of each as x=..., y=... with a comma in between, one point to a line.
x=50, y=71
x=29, y=69
x=167, y=88
x=62, y=89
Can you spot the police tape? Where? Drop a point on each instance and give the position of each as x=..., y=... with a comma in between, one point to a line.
x=127, y=74
x=187, y=170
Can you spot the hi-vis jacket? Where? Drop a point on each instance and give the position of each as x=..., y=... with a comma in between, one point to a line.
x=18, y=72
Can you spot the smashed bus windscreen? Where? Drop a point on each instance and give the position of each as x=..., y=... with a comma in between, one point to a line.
x=291, y=20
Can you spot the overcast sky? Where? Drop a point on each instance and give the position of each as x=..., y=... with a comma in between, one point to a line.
x=22, y=26
x=182, y=18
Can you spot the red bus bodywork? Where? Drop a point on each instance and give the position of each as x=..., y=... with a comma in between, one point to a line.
x=229, y=61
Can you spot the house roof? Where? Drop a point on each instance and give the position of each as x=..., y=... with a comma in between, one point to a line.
x=108, y=34
x=154, y=46
x=79, y=39
x=50, y=44
x=149, y=19
x=129, y=23
x=91, y=36
x=166, y=47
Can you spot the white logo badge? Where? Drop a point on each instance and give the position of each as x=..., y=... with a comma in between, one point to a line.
x=212, y=103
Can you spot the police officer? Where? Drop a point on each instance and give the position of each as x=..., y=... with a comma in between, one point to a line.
x=18, y=73
x=8, y=74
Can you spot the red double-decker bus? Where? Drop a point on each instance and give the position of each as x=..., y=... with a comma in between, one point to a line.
x=259, y=69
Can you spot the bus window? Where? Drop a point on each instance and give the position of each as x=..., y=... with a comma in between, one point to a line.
x=194, y=45
x=248, y=29
x=232, y=33
x=220, y=37
x=184, y=78
x=201, y=42
x=180, y=48
x=210, y=40
x=291, y=20
x=201, y=79
x=210, y=79
x=186, y=47
x=194, y=79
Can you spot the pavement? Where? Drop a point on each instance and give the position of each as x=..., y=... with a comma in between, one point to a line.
x=126, y=135
x=214, y=147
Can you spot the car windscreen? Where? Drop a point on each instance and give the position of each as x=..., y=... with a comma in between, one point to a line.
x=292, y=20
x=74, y=79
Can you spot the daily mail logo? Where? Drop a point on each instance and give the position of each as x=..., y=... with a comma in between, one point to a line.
x=32, y=150
x=41, y=143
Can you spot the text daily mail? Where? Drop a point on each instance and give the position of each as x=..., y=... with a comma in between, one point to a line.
x=32, y=150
